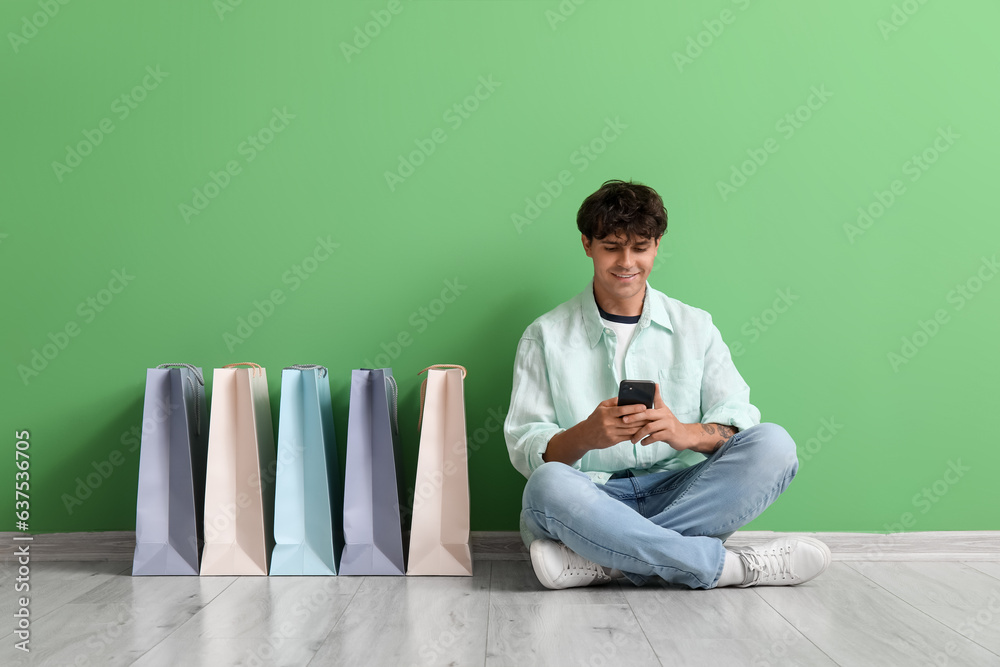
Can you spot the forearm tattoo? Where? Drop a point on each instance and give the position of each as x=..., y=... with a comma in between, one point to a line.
x=722, y=431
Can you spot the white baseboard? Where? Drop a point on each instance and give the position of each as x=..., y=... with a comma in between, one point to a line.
x=506, y=545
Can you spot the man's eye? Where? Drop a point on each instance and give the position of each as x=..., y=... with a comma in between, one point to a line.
x=611, y=248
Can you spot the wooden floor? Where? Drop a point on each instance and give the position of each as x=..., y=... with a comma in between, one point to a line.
x=857, y=613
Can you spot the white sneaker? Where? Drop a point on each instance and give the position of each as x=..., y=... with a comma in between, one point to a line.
x=787, y=561
x=556, y=566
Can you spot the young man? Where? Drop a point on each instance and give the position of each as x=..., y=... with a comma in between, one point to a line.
x=625, y=491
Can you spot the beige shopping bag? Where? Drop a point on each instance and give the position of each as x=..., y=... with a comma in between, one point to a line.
x=239, y=485
x=439, y=534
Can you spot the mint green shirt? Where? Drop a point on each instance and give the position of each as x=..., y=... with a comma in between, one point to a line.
x=565, y=366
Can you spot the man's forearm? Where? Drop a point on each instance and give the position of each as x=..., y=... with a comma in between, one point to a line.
x=570, y=445
x=565, y=447
x=709, y=437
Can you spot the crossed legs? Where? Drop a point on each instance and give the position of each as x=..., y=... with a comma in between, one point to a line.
x=669, y=524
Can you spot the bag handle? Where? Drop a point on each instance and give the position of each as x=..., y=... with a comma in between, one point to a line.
x=245, y=363
x=440, y=366
x=307, y=367
x=395, y=402
x=191, y=367
x=194, y=389
x=423, y=386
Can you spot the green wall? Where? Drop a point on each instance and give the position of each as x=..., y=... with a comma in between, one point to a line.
x=220, y=155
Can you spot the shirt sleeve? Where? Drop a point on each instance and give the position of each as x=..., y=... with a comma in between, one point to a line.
x=725, y=397
x=531, y=418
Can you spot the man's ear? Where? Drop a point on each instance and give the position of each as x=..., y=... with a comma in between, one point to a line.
x=586, y=244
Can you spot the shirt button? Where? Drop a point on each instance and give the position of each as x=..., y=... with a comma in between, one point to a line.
x=607, y=331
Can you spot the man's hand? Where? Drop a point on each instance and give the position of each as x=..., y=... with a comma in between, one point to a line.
x=660, y=425
x=604, y=428
x=608, y=424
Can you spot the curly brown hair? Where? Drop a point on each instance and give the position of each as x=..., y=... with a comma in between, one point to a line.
x=622, y=209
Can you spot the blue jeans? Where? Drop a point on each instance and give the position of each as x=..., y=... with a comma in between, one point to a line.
x=668, y=524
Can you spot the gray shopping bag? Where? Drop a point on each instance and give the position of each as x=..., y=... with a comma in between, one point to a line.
x=372, y=529
x=171, y=495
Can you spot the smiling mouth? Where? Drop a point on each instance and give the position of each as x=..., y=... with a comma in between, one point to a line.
x=625, y=276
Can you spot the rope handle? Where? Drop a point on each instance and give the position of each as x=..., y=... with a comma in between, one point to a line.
x=423, y=386
x=307, y=367
x=191, y=367
x=194, y=389
x=245, y=363
x=442, y=366
x=395, y=403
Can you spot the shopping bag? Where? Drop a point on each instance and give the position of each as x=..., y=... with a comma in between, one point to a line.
x=372, y=530
x=308, y=510
x=170, y=498
x=439, y=532
x=239, y=489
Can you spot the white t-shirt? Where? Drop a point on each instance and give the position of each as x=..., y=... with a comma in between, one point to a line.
x=624, y=333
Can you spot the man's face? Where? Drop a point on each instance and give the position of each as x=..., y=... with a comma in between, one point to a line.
x=621, y=265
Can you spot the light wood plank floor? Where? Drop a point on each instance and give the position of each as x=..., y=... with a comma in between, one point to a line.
x=858, y=613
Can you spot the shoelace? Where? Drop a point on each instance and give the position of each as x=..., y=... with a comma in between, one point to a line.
x=576, y=565
x=770, y=564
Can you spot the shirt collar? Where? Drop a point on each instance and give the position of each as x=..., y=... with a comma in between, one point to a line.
x=653, y=310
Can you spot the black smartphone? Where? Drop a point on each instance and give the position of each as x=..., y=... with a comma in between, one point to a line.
x=636, y=392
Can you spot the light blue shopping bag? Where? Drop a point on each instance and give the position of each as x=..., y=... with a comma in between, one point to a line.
x=308, y=509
